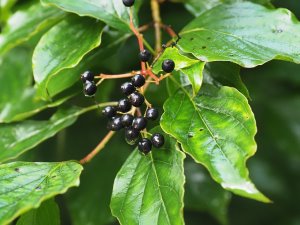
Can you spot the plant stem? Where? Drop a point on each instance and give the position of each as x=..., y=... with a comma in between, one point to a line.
x=157, y=21
x=98, y=148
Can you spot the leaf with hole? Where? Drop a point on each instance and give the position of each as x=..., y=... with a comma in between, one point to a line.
x=25, y=185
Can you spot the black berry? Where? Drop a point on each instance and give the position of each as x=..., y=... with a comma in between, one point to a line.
x=109, y=111
x=139, y=123
x=138, y=80
x=136, y=99
x=127, y=120
x=145, y=55
x=124, y=105
x=168, y=65
x=157, y=140
x=152, y=114
x=128, y=3
x=87, y=76
x=145, y=145
x=131, y=134
x=115, y=124
x=89, y=89
x=127, y=88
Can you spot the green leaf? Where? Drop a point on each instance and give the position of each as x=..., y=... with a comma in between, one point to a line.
x=17, y=138
x=111, y=12
x=67, y=77
x=225, y=74
x=17, y=97
x=55, y=51
x=203, y=194
x=46, y=214
x=197, y=7
x=24, y=185
x=27, y=22
x=244, y=33
x=217, y=129
x=192, y=68
x=149, y=189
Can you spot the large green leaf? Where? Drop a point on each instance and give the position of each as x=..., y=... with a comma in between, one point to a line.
x=149, y=189
x=17, y=138
x=111, y=12
x=197, y=7
x=46, y=214
x=56, y=52
x=217, y=129
x=67, y=77
x=24, y=185
x=203, y=194
x=26, y=22
x=244, y=33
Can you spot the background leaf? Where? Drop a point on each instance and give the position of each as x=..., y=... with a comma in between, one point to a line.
x=243, y=33
x=46, y=214
x=56, y=51
x=111, y=12
x=217, y=129
x=20, y=137
x=149, y=189
x=24, y=185
x=26, y=22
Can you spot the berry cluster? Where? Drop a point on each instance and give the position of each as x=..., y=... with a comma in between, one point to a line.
x=89, y=86
x=121, y=117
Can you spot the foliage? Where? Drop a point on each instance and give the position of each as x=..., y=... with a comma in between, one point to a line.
x=210, y=129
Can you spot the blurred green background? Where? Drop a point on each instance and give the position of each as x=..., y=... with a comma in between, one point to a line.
x=275, y=169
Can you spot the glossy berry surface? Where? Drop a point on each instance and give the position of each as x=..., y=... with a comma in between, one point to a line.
x=109, y=111
x=131, y=134
x=136, y=99
x=127, y=88
x=139, y=123
x=158, y=140
x=145, y=55
x=138, y=80
x=127, y=120
x=128, y=3
x=145, y=145
x=124, y=105
x=87, y=76
x=115, y=124
x=168, y=65
x=152, y=114
x=89, y=89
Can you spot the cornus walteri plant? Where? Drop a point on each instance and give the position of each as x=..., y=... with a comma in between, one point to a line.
x=165, y=127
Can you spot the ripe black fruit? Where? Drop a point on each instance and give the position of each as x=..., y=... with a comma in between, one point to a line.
x=131, y=134
x=138, y=80
x=128, y=3
x=157, y=140
x=145, y=55
x=124, y=105
x=145, y=145
x=127, y=88
x=115, y=124
x=139, y=123
x=127, y=120
x=89, y=89
x=109, y=111
x=136, y=99
x=152, y=114
x=168, y=65
x=87, y=76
